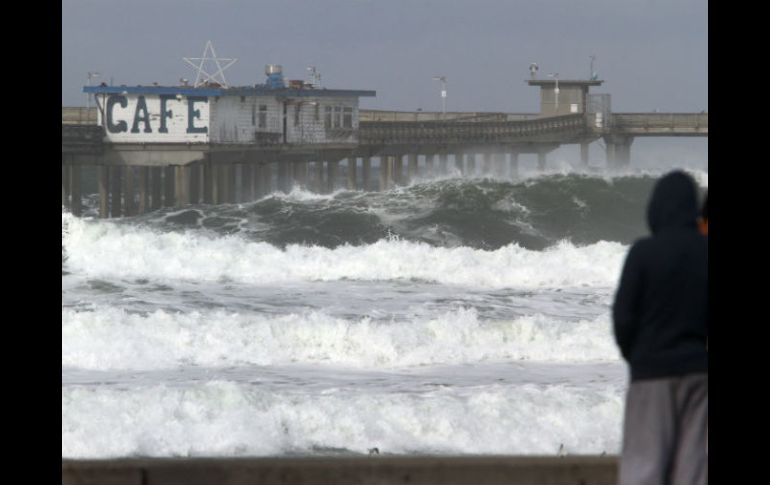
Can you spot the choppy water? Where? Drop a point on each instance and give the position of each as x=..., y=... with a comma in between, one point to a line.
x=450, y=316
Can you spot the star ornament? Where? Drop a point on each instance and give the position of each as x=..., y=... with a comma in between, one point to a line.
x=203, y=75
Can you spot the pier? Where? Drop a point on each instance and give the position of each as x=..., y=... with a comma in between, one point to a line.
x=245, y=143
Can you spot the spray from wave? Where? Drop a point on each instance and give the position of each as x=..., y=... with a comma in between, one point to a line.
x=105, y=249
x=488, y=213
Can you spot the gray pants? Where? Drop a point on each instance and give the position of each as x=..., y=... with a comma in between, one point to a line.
x=666, y=431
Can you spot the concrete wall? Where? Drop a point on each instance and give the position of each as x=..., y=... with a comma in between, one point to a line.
x=483, y=470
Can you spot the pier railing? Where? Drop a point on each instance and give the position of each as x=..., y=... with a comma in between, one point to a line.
x=656, y=124
x=81, y=138
x=384, y=133
x=368, y=115
x=78, y=116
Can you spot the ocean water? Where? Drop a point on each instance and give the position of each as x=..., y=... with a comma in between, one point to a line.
x=451, y=316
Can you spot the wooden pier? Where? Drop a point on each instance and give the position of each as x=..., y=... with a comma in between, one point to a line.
x=134, y=178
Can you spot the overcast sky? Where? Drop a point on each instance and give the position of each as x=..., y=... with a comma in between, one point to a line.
x=652, y=54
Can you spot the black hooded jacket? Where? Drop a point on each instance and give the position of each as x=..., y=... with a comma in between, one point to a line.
x=661, y=306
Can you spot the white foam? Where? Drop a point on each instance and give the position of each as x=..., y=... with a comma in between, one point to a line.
x=302, y=194
x=701, y=177
x=228, y=419
x=531, y=175
x=110, y=338
x=104, y=249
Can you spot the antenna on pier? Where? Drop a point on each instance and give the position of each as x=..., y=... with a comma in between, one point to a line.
x=593, y=76
x=442, y=79
x=533, y=70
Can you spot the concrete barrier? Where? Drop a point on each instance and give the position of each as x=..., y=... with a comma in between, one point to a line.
x=370, y=470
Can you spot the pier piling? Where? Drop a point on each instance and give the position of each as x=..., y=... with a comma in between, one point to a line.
x=156, y=188
x=75, y=194
x=168, y=186
x=352, y=173
x=103, y=176
x=116, y=174
x=142, y=182
x=412, y=167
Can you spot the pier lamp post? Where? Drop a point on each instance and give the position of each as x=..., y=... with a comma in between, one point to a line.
x=91, y=75
x=443, y=93
x=556, y=90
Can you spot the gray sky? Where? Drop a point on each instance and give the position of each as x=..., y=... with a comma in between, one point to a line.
x=651, y=53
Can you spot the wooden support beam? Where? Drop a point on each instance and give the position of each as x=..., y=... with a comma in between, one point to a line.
x=247, y=195
x=412, y=168
x=398, y=170
x=267, y=178
x=443, y=163
x=332, y=171
x=384, y=167
x=77, y=201
x=156, y=187
x=142, y=183
x=318, y=176
x=103, y=174
x=129, y=191
x=514, y=165
x=471, y=162
x=352, y=173
x=284, y=181
x=366, y=173
x=254, y=182
x=487, y=164
x=200, y=168
x=237, y=183
x=168, y=187
x=65, y=186
x=182, y=185
x=116, y=174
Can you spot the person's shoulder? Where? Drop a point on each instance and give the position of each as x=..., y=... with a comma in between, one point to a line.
x=671, y=241
x=639, y=248
x=642, y=244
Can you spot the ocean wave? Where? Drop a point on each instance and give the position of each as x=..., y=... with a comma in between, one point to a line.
x=105, y=249
x=482, y=213
x=221, y=418
x=111, y=338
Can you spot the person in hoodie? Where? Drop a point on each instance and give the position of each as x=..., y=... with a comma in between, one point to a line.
x=660, y=318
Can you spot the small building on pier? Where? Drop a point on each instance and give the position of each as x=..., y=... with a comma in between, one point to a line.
x=563, y=97
x=264, y=114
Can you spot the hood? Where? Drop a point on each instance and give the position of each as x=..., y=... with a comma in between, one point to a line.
x=674, y=203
